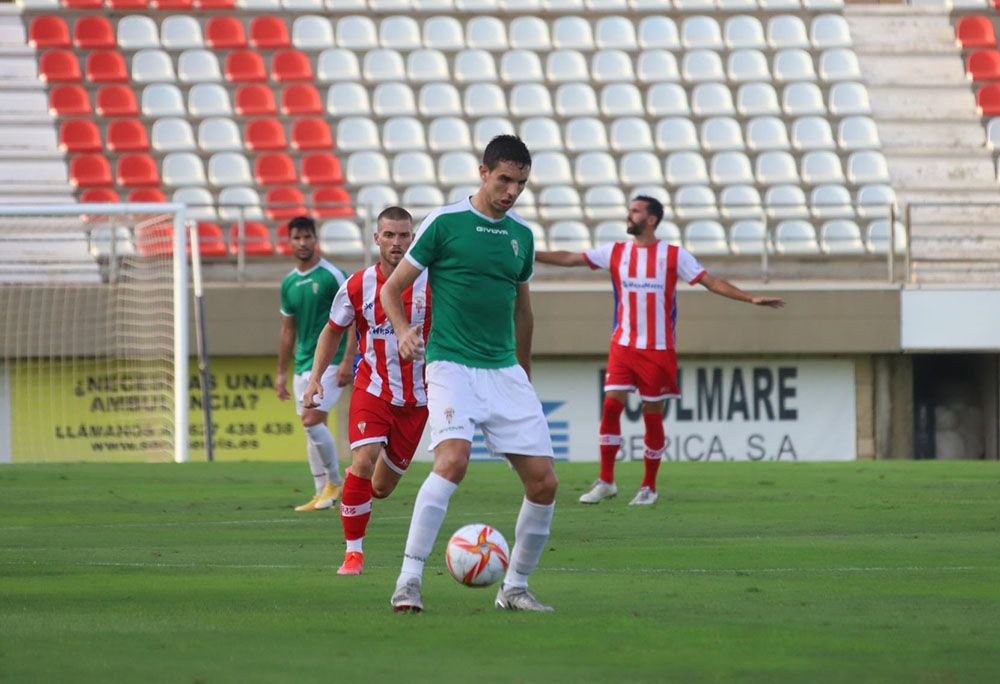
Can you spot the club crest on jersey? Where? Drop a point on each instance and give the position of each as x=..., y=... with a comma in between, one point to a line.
x=315, y=288
x=419, y=302
x=361, y=427
x=449, y=413
x=514, y=246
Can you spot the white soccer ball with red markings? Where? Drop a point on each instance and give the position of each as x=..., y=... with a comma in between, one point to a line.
x=477, y=555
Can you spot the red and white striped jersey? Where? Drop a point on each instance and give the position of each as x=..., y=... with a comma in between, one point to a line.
x=382, y=371
x=645, y=282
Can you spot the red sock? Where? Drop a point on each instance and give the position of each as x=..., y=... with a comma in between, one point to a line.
x=355, y=506
x=655, y=439
x=611, y=436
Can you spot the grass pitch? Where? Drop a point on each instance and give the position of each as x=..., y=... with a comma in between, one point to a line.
x=856, y=572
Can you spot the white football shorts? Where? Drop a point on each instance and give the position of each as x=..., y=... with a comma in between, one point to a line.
x=331, y=393
x=501, y=401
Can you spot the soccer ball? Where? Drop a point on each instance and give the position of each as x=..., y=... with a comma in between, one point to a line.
x=477, y=555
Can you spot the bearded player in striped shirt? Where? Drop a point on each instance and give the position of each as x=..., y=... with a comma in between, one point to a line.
x=389, y=404
x=642, y=357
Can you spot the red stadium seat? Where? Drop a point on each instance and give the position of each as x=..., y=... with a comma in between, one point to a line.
x=83, y=4
x=269, y=33
x=100, y=196
x=255, y=100
x=988, y=99
x=331, y=202
x=211, y=241
x=127, y=135
x=147, y=195
x=155, y=240
x=976, y=32
x=59, y=66
x=127, y=4
x=281, y=246
x=284, y=203
x=244, y=66
x=274, y=169
x=215, y=4
x=291, y=65
x=48, y=32
x=256, y=239
x=301, y=99
x=106, y=66
x=79, y=135
x=90, y=171
x=116, y=100
x=983, y=65
x=224, y=33
x=94, y=33
x=311, y=134
x=137, y=170
x=69, y=100
x=171, y=4
x=265, y=134
x=321, y=168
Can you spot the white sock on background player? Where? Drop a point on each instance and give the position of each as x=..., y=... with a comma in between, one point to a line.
x=428, y=513
x=532, y=531
x=322, y=456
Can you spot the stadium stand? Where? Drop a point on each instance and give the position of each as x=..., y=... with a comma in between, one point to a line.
x=737, y=112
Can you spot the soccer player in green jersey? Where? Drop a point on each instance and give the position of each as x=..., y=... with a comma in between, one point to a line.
x=480, y=257
x=306, y=295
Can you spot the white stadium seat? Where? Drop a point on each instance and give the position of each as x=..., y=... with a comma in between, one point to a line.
x=458, y=168
x=676, y=134
x=347, y=99
x=858, y=133
x=541, y=134
x=604, y=202
x=312, y=33
x=821, y=167
x=812, y=133
x=793, y=65
x=239, y=202
x=831, y=201
x=413, y=168
x=485, y=33
x=595, y=168
x=744, y=31
x=403, y=133
x=198, y=66
x=729, y=168
x=152, y=66
x=199, y=201
x=610, y=231
x=839, y=64
x=699, y=66
x=878, y=240
x=695, y=202
x=776, y=168
x=475, y=65
x=866, y=167
x=712, y=99
x=559, y=202
x=630, y=134
x=745, y=66
x=439, y=99
x=785, y=202
x=749, y=237
x=551, y=168
x=571, y=236
x=841, y=237
x=443, y=33
x=572, y=33
x=399, y=33
x=163, y=99
x=668, y=232
x=611, y=66
x=701, y=32
x=229, y=168
x=667, y=99
x=376, y=198
x=182, y=168
x=706, y=238
x=488, y=128
x=795, y=237
x=830, y=31
x=621, y=99
x=876, y=200
x=341, y=237
x=616, y=33
x=767, y=133
x=787, y=31
x=657, y=66
x=529, y=33
x=422, y=199
x=658, y=32
x=336, y=65
x=685, y=168
x=757, y=99
x=849, y=98
x=586, y=134
x=521, y=66
x=355, y=133
x=356, y=32
x=172, y=135
x=720, y=134
x=382, y=66
x=178, y=32
x=530, y=99
x=449, y=134
x=576, y=99
x=563, y=66
x=484, y=99
x=219, y=134
x=394, y=99
x=640, y=168
x=137, y=32
x=740, y=201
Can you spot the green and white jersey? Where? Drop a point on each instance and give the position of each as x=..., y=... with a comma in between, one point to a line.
x=476, y=264
x=307, y=295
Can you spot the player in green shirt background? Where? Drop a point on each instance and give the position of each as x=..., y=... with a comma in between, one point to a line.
x=306, y=295
x=479, y=257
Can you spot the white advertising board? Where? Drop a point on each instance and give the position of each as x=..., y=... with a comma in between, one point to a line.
x=729, y=410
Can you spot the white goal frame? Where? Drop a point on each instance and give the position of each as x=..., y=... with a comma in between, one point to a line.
x=180, y=288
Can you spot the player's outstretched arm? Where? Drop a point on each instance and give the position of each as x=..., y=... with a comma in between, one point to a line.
x=286, y=346
x=326, y=349
x=410, y=339
x=560, y=258
x=723, y=287
x=524, y=327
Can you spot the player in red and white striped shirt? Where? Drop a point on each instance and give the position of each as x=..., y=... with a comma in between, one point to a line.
x=389, y=402
x=642, y=357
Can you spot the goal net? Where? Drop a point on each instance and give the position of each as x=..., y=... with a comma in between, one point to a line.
x=93, y=333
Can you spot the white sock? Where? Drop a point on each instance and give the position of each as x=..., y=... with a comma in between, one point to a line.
x=530, y=535
x=323, y=455
x=355, y=545
x=428, y=513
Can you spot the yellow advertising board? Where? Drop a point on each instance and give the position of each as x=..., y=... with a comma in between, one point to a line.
x=79, y=411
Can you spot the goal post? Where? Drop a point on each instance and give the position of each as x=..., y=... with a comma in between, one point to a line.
x=94, y=313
